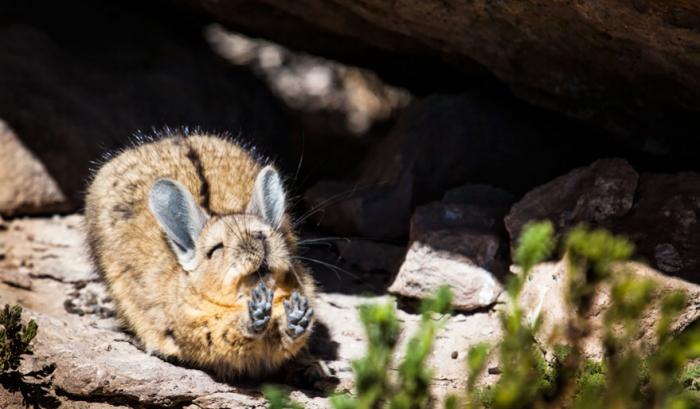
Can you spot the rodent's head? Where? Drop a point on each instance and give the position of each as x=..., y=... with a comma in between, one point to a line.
x=225, y=255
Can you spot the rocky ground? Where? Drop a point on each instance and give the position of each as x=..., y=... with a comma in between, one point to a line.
x=83, y=358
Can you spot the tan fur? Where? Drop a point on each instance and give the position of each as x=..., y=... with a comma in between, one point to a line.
x=194, y=316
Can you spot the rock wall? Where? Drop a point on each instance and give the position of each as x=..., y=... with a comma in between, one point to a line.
x=627, y=66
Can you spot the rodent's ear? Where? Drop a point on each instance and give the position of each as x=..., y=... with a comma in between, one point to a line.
x=267, y=199
x=179, y=216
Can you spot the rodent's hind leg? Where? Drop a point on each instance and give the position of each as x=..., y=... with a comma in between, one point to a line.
x=299, y=315
x=260, y=308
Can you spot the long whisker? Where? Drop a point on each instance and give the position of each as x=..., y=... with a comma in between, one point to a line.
x=323, y=239
x=324, y=203
x=301, y=159
x=328, y=245
x=328, y=265
x=331, y=201
x=296, y=275
x=235, y=230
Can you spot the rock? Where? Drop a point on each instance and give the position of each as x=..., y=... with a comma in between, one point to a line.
x=70, y=98
x=39, y=246
x=468, y=221
x=331, y=98
x=545, y=293
x=451, y=216
x=441, y=142
x=101, y=363
x=25, y=184
x=658, y=212
x=597, y=193
x=664, y=223
x=16, y=279
x=461, y=242
x=82, y=354
x=426, y=269
x=351, y=266
x=478, y=207
x=592, y=60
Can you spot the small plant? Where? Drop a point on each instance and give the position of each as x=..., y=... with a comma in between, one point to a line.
x=625, y=378
x=278, y=399
x=413, y=390
x=525, y=376
x=374, y=385
x=14, y=337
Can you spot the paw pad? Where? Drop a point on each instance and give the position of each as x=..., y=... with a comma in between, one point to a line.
x=299, y=314
x=260, y=307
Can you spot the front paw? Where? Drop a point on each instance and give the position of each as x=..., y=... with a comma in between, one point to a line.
x=260, y=308
x=299, y=315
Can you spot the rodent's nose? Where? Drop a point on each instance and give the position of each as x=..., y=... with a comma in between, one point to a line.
x=253, y=244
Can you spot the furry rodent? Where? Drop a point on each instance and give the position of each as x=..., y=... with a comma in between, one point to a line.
x=192, y=238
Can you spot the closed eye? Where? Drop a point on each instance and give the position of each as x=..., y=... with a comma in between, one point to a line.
x=212, y=250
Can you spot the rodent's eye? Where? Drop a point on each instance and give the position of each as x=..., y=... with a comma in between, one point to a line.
x=214, y=249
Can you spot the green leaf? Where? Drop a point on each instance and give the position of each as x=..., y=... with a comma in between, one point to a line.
x=278, y=399
x=536, y=244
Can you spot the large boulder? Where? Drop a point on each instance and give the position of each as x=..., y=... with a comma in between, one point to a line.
x=629, y=66
x=545, y=294
x=25, y=184
x=595, y=194
x=658, y=212
x=664, y=223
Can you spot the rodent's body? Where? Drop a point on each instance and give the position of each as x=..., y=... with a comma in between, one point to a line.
x=195, y=304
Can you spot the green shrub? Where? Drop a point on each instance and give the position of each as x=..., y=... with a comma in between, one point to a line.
x=625, y=378
x=14, y=337
x=525, y=375
x=373, y=385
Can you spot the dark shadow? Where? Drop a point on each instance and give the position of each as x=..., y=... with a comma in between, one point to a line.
x=334, y=274
x=305, y=372
x=321, y=345
x=34, y=395
x=413, y=306
x=353, y=265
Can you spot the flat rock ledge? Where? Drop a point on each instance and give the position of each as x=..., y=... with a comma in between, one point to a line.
x=83, y=358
